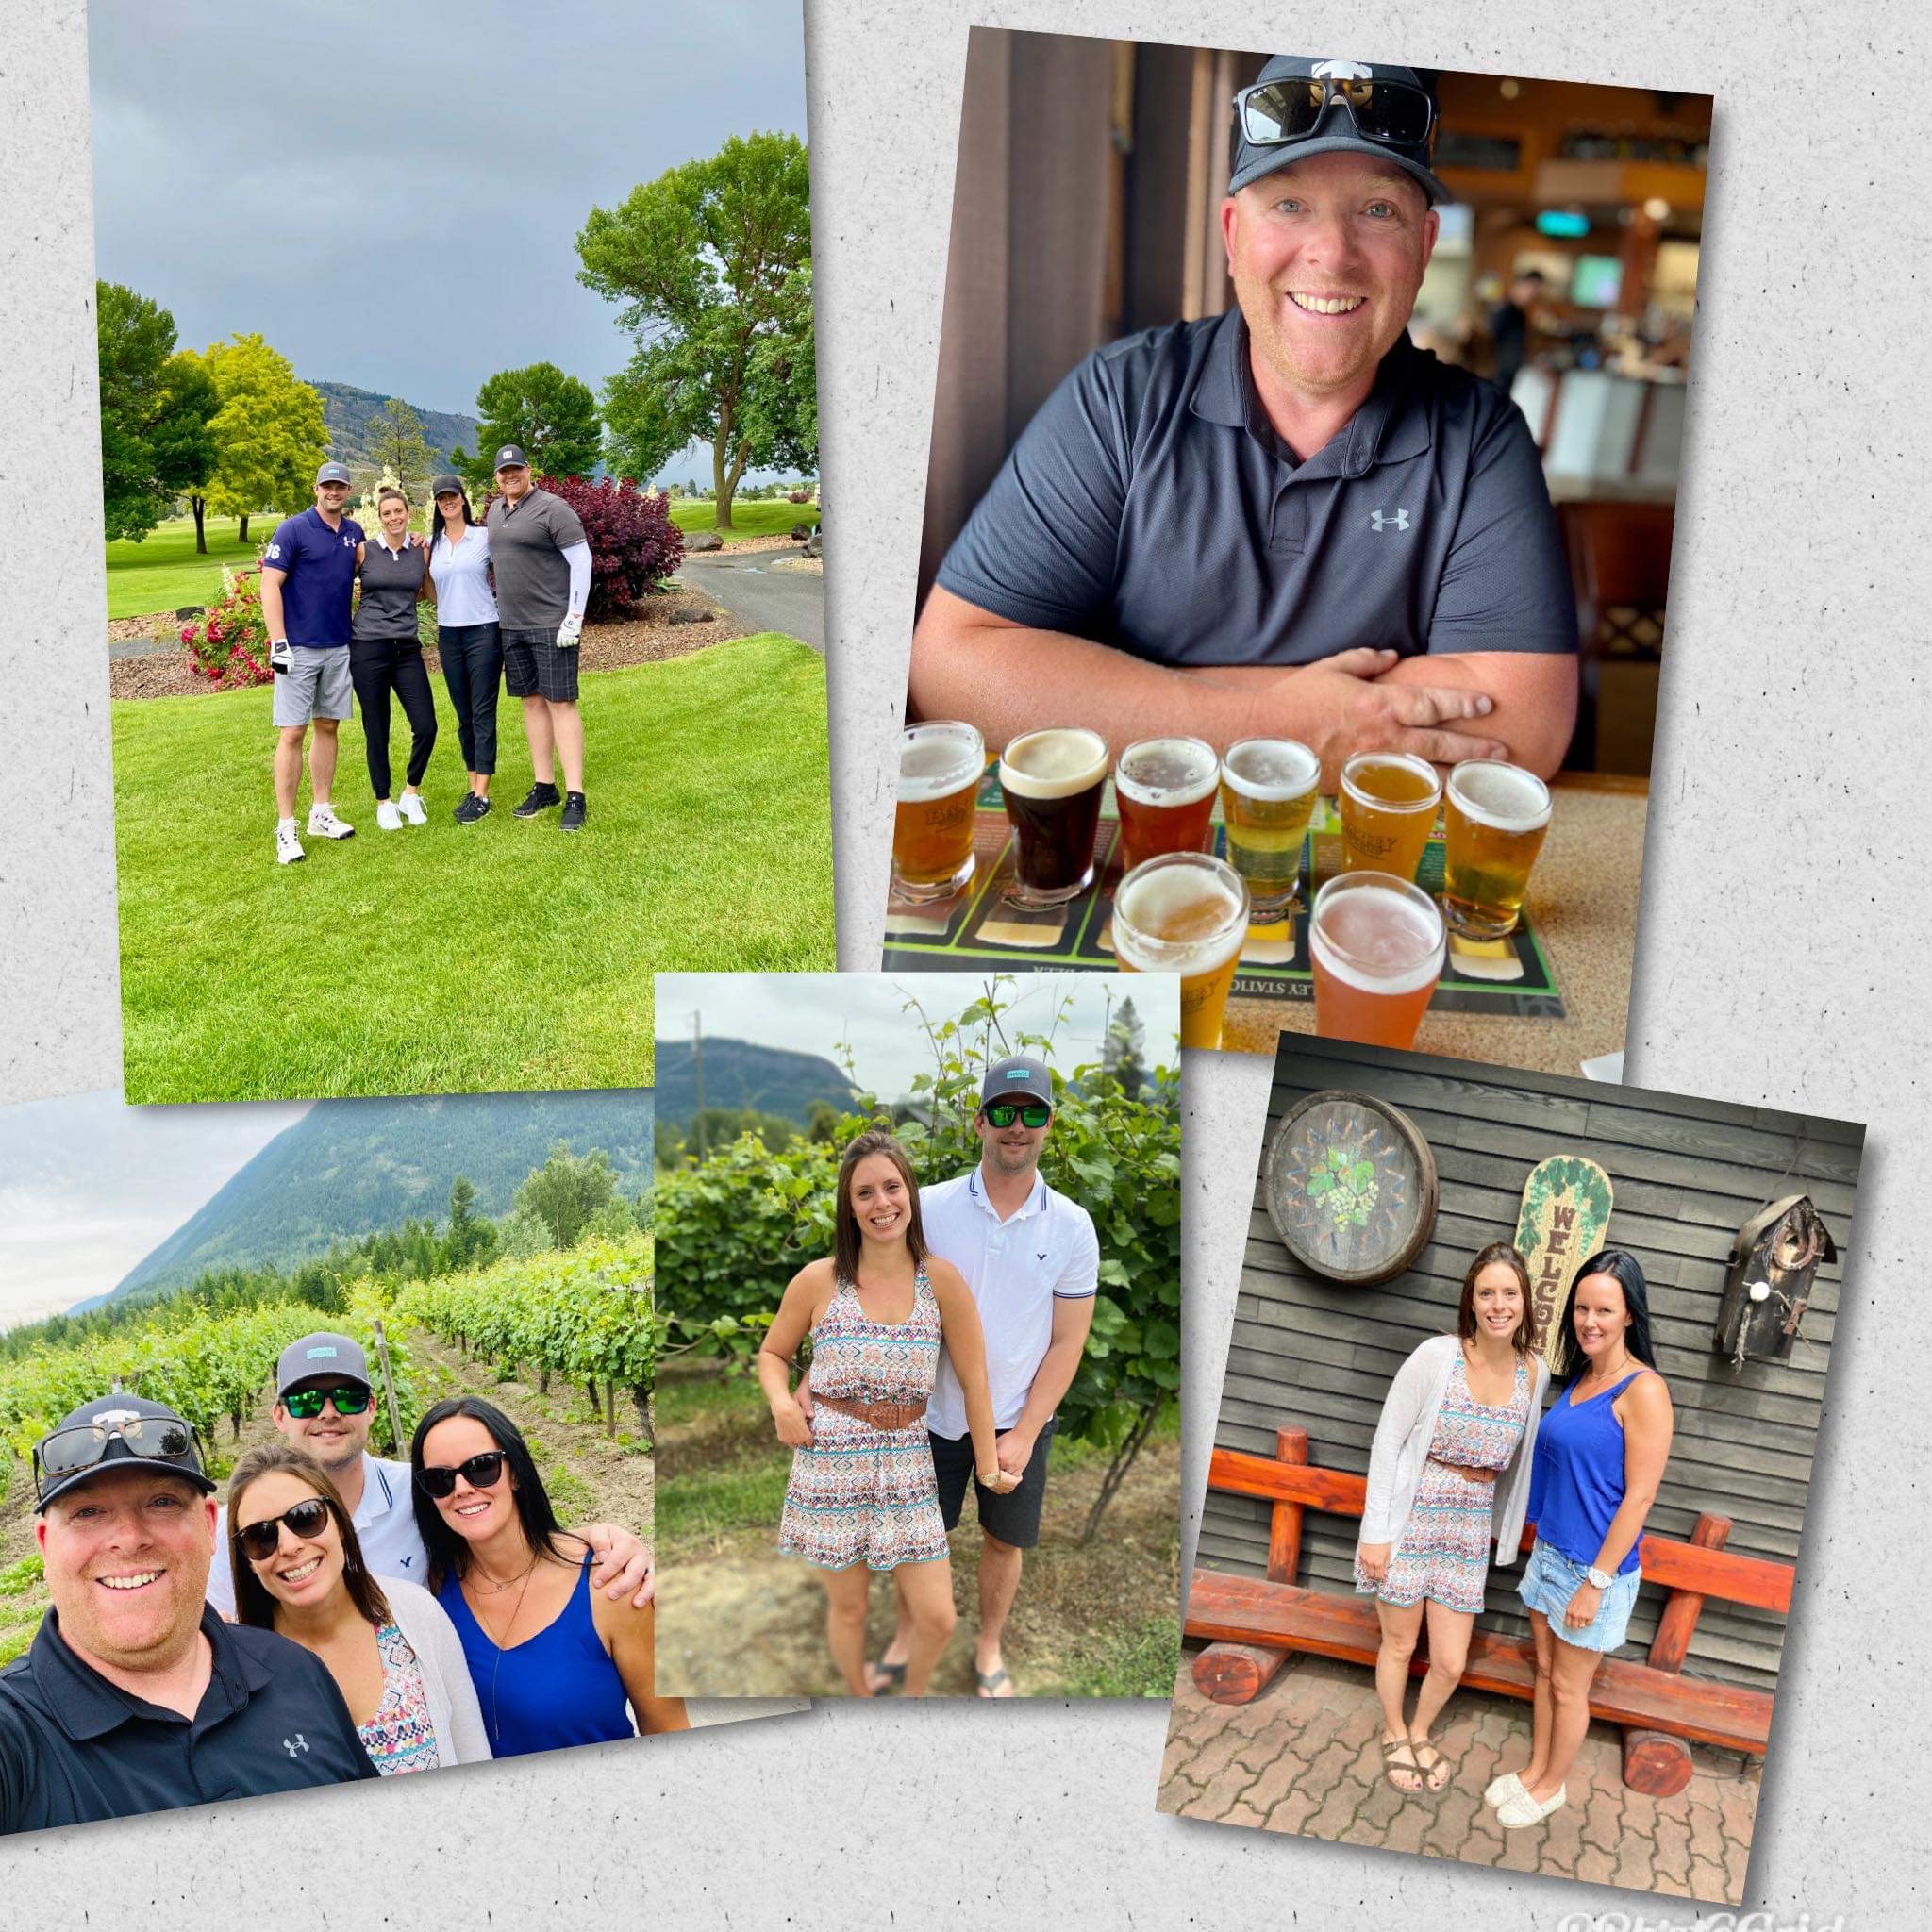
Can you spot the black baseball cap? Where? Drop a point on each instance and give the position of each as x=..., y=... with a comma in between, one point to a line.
x=510, y=458
x=1016, y=1074
x=315, y=1356
x=446, y=486
x=114, y=1432
x=1278, y=124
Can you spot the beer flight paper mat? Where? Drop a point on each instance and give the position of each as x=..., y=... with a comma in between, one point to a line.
x=1510, y=976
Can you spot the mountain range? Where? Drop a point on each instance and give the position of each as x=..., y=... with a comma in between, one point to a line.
x=350, y=1167
x=349, y=414
x=736, y=1073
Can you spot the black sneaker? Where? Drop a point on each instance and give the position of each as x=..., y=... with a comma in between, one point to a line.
x=572, y=819
x=473, y=807
x=541, y=797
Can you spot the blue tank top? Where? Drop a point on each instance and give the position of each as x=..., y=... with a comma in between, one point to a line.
x=1576, y=1480
x=557, y=1688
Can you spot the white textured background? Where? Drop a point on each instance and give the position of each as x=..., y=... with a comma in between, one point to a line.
x=1781, y=958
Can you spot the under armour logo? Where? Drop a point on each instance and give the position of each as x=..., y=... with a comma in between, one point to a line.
x=1342, y=70
x=1382, y=521
x=292, y=1745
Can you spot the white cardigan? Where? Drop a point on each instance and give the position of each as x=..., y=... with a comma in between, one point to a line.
x=460, y=1738
x=1402, y=1447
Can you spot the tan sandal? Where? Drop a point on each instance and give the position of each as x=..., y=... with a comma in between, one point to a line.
x=1421, y=1788
x=1441, y=1761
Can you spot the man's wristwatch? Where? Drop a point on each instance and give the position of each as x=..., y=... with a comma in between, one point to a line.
x=1599, y=1579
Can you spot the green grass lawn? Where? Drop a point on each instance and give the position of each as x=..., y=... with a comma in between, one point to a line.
x=162, y=572
x=747, y=518
x=503, y=957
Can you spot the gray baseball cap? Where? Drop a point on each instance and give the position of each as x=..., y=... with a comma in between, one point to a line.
x=95, y=1436
x=1272, y=109
x=510, y=458
x=446, y=486
x=1015, y=1076
x=321, y=1355
x=333, y=472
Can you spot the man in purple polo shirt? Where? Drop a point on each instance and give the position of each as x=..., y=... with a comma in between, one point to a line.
x=307, y=581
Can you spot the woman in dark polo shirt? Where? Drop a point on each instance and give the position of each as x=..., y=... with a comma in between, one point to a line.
x=385, y=656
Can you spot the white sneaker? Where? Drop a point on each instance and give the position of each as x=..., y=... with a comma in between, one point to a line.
x=388, y=819
x=1516, y=1811
x=410, y=806
x=323, y=824
x=288, y=847
x=1501, y=1790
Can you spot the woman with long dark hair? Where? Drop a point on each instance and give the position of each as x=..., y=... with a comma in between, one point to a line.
x=468, y=637
x=554, y=1662
x=1448, y=1477
x=298, y=1570
x=863, y=1496
x=1600, y=1457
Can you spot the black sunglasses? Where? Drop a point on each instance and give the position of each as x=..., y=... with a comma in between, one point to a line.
x=1391, y=112
x=480, y=1471
x=305, y=1405
x=1031, y=1114
x=153, y=1438
x=260, y=1541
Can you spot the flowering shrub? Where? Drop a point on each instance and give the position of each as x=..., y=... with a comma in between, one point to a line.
x=634, y=544
x=228, y=645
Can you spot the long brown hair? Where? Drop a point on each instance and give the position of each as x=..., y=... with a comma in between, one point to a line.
x=848, y=1240
x=1524, y=1340
x=253, y=1602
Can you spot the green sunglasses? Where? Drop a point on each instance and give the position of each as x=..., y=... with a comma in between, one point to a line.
x=305, y=1405
x=1031, y=1114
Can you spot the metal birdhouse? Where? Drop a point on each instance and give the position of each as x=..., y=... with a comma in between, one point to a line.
x=1772, y=1260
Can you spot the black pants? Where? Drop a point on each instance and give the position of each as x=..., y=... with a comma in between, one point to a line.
x=473, y=669
x=375, y=668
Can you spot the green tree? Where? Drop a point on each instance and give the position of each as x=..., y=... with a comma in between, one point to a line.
x=397, y=444
x=1124, y=1054
x=550, y=416
x=269, y=432
x=156, y=407
x=706, y=262
x=566, y=1192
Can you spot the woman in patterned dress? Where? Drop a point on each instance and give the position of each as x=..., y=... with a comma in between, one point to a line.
x=394, y=1653
x=1448, y=1476
x=862, y=1495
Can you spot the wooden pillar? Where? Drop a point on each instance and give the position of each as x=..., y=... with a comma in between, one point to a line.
x=1238, y=1672
x=1655, y=1762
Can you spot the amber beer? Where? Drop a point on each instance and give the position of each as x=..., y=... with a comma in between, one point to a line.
x=940, y=763
x=1388, y=812
x=1164, y=790
x=1184, y=912
x=1494, y=828
x=1378, y=943
x=1268, y=791
x=1051, y=781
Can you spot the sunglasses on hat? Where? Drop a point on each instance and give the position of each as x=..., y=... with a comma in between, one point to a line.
x=260, y=1541
x=1029, y=1113
x=1391, y=112
x=305, y=1405
x=483, y=1471
x=154, y=1437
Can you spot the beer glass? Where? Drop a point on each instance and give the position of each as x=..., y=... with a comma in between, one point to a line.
x=1051, y=781
x=1493, y=827
x=1164, y=788
x=940, y=763
x=1388, y=812
x=1378, y=943
x=1268, y=791
x=1184, y=912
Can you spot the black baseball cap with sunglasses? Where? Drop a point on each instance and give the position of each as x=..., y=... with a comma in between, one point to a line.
x=1017, y=1086
x=114, y=1432
x=1300, y=107
x=334, y=1364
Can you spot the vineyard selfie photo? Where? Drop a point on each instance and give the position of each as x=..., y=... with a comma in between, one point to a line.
x=918, y=1266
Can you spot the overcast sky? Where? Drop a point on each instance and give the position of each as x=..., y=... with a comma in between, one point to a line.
x=89, y=1186
x=391, y=193
x=810, y=1012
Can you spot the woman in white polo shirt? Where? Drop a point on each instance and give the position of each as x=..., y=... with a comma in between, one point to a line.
x=467, y=635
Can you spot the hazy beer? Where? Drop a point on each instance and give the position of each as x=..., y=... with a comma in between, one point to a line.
x=940, y=764
x=1164, y=790
x=1378, y=943
x=1051, y=781
x=1388, y=812
x=1184, y=912
x=1494, y=828
x=1268, y=791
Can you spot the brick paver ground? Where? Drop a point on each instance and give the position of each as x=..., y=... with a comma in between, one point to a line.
x=1305, y=1756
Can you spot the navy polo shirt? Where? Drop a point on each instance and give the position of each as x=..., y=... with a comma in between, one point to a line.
x=1150, y=506
x=75, y=1747
x=321, y=571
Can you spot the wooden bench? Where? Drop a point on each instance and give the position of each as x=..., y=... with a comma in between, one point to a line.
x=1253, y=1623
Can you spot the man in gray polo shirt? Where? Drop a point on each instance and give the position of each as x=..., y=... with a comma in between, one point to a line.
x=1286, y=521
x=542, y=563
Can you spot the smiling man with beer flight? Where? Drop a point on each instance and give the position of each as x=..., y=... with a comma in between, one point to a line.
x=1285, y=522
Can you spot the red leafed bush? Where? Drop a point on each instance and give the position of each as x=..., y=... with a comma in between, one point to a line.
x=634, y=544
x=228, y=644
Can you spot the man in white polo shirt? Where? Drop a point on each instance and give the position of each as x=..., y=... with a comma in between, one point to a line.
x=1032, y=1260
x=325, y=1403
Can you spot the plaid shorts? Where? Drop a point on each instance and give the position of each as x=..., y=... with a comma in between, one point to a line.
x=533, y=667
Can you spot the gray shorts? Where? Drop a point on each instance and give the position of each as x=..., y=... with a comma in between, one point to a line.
x=315, y=685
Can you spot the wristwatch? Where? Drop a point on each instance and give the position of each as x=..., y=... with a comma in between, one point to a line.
x=1599, y=1579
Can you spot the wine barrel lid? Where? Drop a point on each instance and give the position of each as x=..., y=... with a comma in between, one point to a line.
x=1351, y=1186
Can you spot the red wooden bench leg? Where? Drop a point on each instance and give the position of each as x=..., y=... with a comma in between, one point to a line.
x=1655, y=1762
x=1238, y=1672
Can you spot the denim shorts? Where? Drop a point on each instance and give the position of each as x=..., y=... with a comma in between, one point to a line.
x=1551, y=1579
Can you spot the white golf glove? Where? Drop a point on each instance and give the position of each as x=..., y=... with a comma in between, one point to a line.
x=569, y=630
x=279, y=659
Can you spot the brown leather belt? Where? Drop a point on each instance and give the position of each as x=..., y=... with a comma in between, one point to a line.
x=881, y=1415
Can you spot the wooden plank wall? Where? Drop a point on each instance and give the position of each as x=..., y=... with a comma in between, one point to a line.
x=1687, y=1172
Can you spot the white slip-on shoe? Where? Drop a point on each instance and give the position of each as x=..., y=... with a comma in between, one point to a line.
x=410, y=806
x=288, y=846
x=1522, y=1809
x=388, y=819
x=1499, y=1791
x=323, y=824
